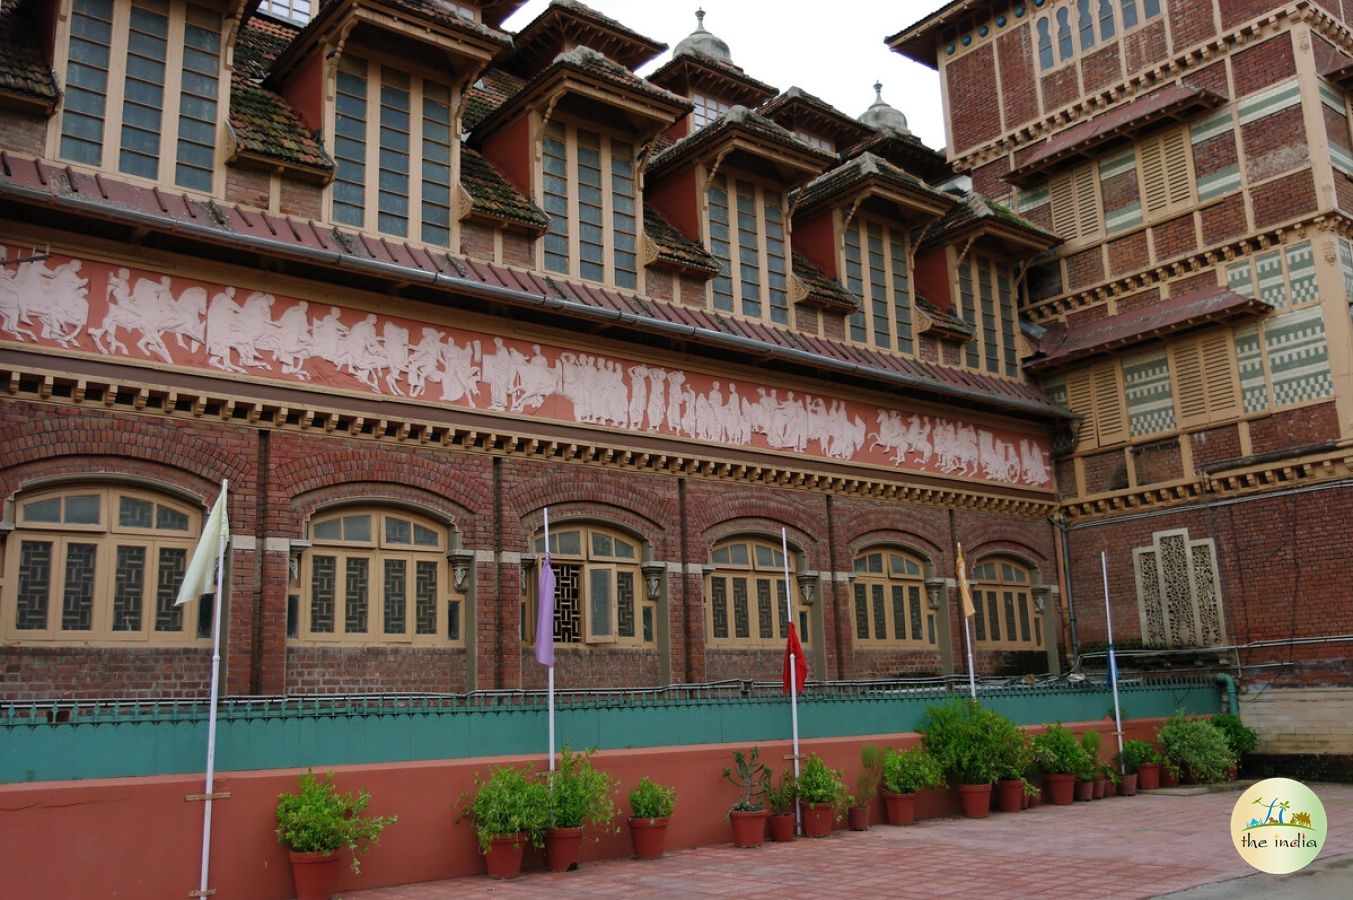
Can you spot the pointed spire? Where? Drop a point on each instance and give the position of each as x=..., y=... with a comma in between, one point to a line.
x=702, y=42
x=880, y=115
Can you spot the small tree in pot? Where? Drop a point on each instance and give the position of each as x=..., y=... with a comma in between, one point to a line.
x=318, y=821
x=822, y=792
x=866, y=786
x=509, y=810
x=579, y=795
x=747, y=815
x=780, y=798
x=651, y=805
x=1061, y=758
x=906, y=772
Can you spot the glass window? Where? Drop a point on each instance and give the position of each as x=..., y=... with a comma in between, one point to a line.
x=377, y=576
x=747, y=235
x=588, y=189
x=1005, y=615
x=599, y=589
x=101, y=565
x=745, y=596
x=876, y=271
x=889, y=601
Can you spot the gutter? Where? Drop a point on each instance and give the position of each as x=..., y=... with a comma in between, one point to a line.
x=338, y=259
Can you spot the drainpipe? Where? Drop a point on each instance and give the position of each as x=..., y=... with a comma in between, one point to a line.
x=1232, y=697
x=1063, y=534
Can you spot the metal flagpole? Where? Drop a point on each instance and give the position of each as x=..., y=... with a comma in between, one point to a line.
x=793, y=675
x=551, y=668
x=218, y=606
x=965, y=595
x=1113, y=663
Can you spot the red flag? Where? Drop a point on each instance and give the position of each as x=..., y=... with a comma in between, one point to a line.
x=793, y=648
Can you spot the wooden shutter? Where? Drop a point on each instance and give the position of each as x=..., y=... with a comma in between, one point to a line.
x=1063, y=197
x=1075, y=203
x=1205, y=380
x=1164, y=167
x=1109, y=412
x=1080, y=399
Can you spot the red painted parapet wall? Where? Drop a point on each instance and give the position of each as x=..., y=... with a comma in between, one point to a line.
x=138, y=837
x=93, y=308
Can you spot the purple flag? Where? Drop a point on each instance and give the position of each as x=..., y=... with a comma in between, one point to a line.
x=545, y=614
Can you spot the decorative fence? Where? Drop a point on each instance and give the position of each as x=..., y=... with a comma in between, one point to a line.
x=58, y=740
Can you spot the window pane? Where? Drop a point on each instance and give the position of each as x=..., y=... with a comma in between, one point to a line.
x=599, y=590
x=77, y=601
x=82, y=510
x=355, y=595
x=718, y=599
x=357, y=528
x=129, y=580
x=764, y=611
x=168, y=578
x=396, y=596
x=35, y=584
x=425, y=597
x=167, y=519
x=323, y=586
x=398, y=531
x=624, y=604
x=134, y=513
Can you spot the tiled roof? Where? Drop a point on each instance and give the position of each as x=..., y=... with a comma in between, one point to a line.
x=823, y=290
x=263, y=123
x=589, y=62
x=1061, y=344
x=494, y=197
x=674, y=248
x=742, y=119
x=1173, y=100
x=944, y=325
x=867, y=168
x=724, y=78
x=813, y=113
x=920, y=41
x=577, y=22
x=977, y=212
x=432, y=275
x=905, y=151
x=24, y=72
x=439, y=13
x=489, y=93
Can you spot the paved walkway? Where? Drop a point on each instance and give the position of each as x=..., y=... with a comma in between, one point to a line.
x=1144, y=846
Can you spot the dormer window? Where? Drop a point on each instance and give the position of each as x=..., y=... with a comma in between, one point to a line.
x=393, y=143
x=747, y=236
x=124, y=62
x=465, y=11
x=813, y=140
x=707, y=109
x=588, y=189
x=299, y=11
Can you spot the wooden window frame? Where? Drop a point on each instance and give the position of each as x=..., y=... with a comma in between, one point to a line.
x=706, y=110
x=1105, y=20
x=772, y=304
x=619, y=266
x=118, y=120
x=754, y=574
x=1009, y=600
x=1205, y=378
x=863, y=579
x=592, y=562
x=107, y=536
x=1077, y=205
x=376, y=73
x=378, y=551
x=896, y=287
x=1165, y=174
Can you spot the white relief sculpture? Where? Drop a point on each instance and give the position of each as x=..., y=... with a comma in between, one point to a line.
x=956, y=447
x=999, y=460
x=638, y=395
x=290, y=342
x=497, y=371
x=421, y=363
x=675, y=380
x=234, y=328
x=537, y=381
x=330, y=338
x=656, y=407
x=461, y=371
x=366, y=356
x=31, y=293
x=1034, y=460
x=395, y=345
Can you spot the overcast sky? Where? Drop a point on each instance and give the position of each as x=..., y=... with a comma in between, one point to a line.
x=832, y=49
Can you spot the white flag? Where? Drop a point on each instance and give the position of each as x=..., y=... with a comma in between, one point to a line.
x=199, y=579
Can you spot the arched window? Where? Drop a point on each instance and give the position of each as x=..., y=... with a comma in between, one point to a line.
x=599, y=589
x=889, y=594
x=745, y=596
x=1045, y=60
x=377, y=576
x=1087, y=24
x=101, y=564
x=1065, y=47
x=1003, y=600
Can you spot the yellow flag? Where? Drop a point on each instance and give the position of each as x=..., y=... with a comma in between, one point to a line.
x=963, y=590
x=201, y=575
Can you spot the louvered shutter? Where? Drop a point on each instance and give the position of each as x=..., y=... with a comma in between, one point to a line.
x=1178, y=182
x=1190, y=392
x=1087, y=201
x=1164, y=166
x=1063, y=197
x=1080, y=399
x=1219, y=377
x=1110, y=416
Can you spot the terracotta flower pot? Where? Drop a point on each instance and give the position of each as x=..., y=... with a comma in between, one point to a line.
x=1098, y=787
x=649, y=837
x=1168, y=777
x=1148, y=776
x=900, y=808
x=976, y=799
x=1009, y=795
x=858, y=818
x=1085, y=790
x=1128, y=786
x=1061, y=788
x=749, y=828
x=818, y=818
x=562, y=848
x=504, y=856
x=315, y=874
x=782, y=826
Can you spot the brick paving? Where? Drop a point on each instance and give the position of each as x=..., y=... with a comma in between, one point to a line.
x=1141, y=846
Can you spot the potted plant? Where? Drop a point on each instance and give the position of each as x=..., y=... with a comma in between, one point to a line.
x=969, y=741
x=1013, y=757
x=905, y=772
x=747, y=815
x=1060, y=757
x=509, y=809
x=1196, y=748
x=579, y=795
x=1241, y=738
x=780, y=798
x=1090, y=783
x=866, y=787
x=1141, y=761
x=651, y=806
x=821, y=791
x=318, y=821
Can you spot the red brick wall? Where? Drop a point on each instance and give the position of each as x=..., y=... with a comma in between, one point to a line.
x=1215, y=444
x=1158, y=462
x=1263, y=65
x=1102, y=68
x=1224, y=221
x=1284, y=199
x=1275, y=144
x=23, y=134
x=1295, y=428
x=1145, y=47
x=1190, y=23
x=1060, y=88
x=1085, y=268
x=1016, y=57
x=1128, y=254
x=1175, y=237
x=972, y=85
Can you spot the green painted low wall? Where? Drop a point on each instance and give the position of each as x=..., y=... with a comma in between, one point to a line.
x=46, y=742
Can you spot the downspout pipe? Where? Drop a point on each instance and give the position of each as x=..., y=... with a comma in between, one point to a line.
x=1232, y=696
x=1063, y=533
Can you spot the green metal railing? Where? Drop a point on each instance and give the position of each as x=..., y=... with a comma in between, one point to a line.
x=54, y=740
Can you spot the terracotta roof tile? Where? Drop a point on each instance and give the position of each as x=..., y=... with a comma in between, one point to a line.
x=737, y=119
x=264, y=124
x=975, y=211
x=674, y=248
x=863, y=169
x=822, y=289
x=943, y=324
x=24, y=72
x=494, y=196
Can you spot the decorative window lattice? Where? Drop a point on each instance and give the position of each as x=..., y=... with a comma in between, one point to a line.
x=1178, y=592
